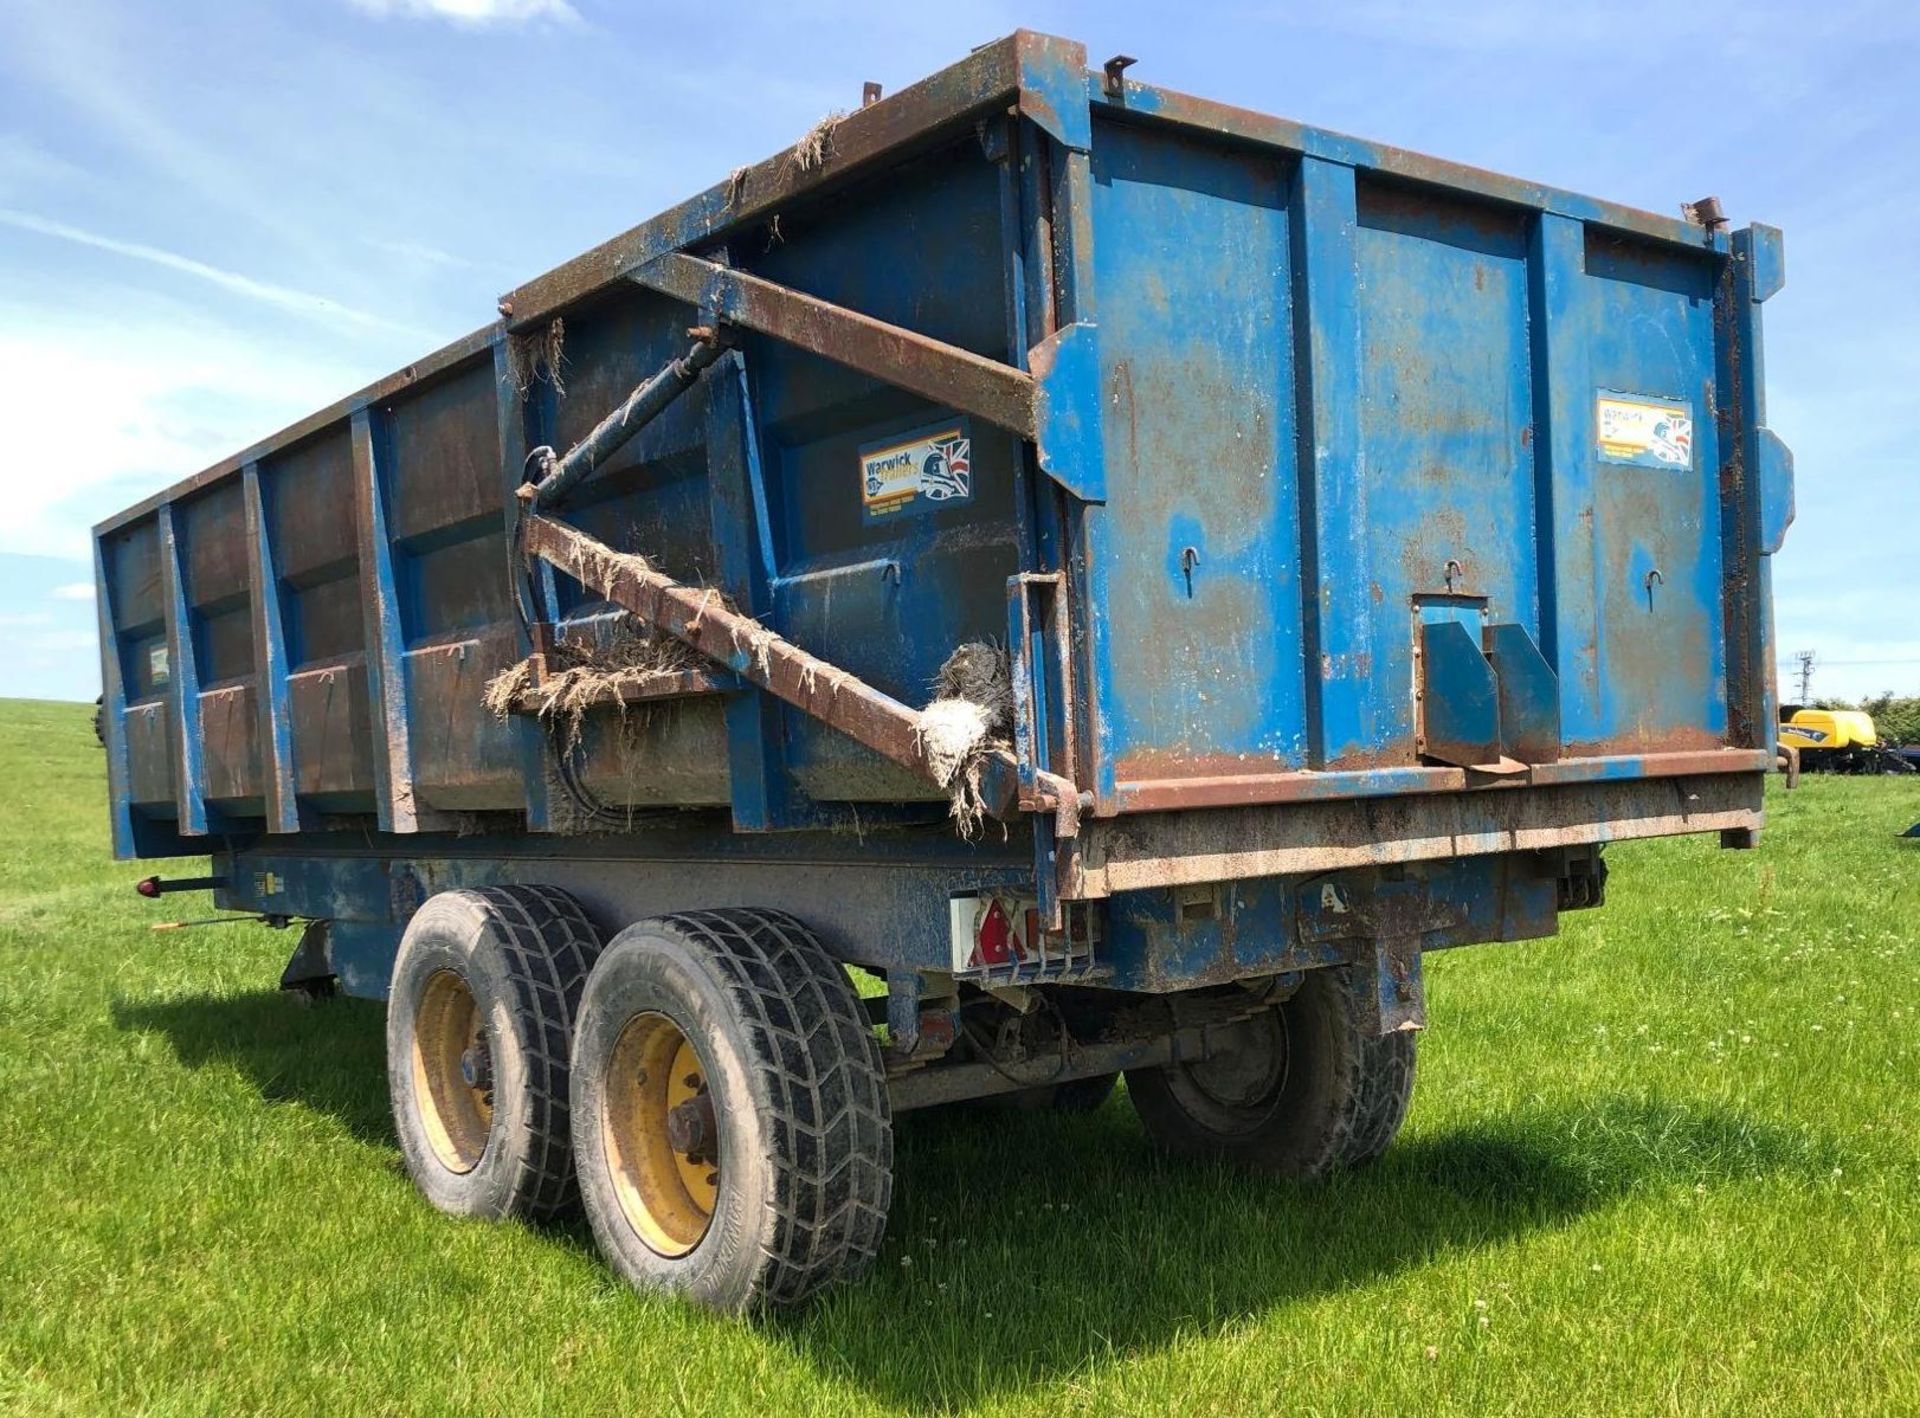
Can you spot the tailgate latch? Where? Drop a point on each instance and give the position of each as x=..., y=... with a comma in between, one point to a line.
x=1485, y=697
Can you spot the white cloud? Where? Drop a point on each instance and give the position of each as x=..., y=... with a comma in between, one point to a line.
x=472, y=12
x=284, y=297
x=119, y=400
x=73, y=591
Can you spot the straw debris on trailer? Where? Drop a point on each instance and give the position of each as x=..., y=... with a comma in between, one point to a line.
x=1308, y=554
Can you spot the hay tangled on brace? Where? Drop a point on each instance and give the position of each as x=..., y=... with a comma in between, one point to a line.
x=816, y=144
x=582, y=675
x=970, y=716
x=540, y=354
x=978, y=673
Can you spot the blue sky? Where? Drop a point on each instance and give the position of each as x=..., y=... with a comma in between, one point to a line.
x=215, y=217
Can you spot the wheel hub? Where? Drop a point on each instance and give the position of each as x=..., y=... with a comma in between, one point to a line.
x=661, y=1129
x=1249, y=1063
x=452, y=1072
x=476, y=1065
x=691, y=1129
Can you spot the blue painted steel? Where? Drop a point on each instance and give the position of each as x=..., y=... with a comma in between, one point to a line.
x=881, y=901
x=875, y=904
x=282, y=798
x=1459, y=696
x=1761, y=475
x=926, y=251
x=386, y=640
x=764, y=797
x=1300, y=400
x=1444, y=433
x=1067, y=366
x=1053, y=83
x=1776, y=491
x=113, y=712
x=189, y=762
x=1529, y=694
x=361, y=955
x=1156, y=940
x=1762, y=250
x=1338, y=608
x=1562, y=471
x=517, y=422
x=1647, y=327
x=1344, y=150
x=1197, y=379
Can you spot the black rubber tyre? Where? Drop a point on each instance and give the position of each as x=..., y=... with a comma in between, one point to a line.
x=788, y=1189
x=1384, y=1090
x=1308, y=1090
x=498, y=973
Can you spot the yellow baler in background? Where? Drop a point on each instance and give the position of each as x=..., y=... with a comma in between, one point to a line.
x=1835, y=741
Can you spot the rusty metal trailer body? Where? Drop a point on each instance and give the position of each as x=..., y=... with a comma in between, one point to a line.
x=1374, y=539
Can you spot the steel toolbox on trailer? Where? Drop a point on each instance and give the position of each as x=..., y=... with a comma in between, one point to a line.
x=1340, y=547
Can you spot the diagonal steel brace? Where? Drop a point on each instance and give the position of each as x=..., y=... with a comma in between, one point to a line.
x=944, y=373
x=701, y=619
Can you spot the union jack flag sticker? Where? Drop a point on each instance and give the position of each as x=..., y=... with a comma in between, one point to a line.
x=949, y=471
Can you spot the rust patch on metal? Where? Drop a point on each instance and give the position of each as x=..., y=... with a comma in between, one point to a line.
x=1231, y=844
x=1380, y=782
x=229, y=728
x=946, y=101
x=972, y=383
x=332, y=728
x=1232, y=121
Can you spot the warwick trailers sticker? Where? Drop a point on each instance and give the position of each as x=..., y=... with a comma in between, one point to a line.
x=915, y=471
x=1647, y=433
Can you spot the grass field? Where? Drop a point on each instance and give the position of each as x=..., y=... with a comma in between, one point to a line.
x=1667, y=1162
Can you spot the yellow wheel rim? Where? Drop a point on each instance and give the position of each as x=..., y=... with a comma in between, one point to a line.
x=661, y=1135
x=452, y=1072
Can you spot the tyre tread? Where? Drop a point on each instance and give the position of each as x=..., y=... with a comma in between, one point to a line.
x=548, y=946
x=1364, y=1097
x=831, y=1122
x=1383, y=1090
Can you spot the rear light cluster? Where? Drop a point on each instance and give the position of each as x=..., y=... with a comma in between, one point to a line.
x=993, y=932
x=999, y=934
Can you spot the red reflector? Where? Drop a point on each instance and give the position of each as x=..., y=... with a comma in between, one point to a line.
x=995, y=944
x=149, y=888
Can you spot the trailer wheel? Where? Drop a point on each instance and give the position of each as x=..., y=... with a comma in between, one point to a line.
x=1384, y=1088
x=730, y=1112
x=480, y=1015
x=1303, y=1090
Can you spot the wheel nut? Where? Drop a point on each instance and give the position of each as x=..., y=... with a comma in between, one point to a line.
x=690, y=1127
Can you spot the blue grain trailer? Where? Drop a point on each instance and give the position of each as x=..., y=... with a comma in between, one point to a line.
x=1126, y=573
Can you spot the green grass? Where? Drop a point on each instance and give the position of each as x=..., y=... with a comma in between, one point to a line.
x=1663, y=1163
